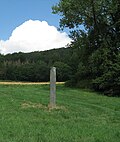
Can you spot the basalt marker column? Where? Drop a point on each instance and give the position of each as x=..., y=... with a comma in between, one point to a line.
x=52, y=87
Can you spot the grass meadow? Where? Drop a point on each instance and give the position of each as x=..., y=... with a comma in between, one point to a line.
x=80, y=116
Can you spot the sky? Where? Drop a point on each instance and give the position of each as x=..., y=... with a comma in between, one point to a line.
x=29, y=25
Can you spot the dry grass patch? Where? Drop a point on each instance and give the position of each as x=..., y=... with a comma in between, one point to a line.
x=57, y=108
x=27, y=105
x=28, y=83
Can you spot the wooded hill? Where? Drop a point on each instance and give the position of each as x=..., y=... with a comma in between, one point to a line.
x=35, y=66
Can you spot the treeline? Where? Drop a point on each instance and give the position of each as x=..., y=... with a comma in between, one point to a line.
x=36, y=66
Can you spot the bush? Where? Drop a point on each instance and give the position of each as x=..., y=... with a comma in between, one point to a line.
x=108, y=83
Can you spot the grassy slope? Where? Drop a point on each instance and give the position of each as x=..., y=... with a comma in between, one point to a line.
x=84, y=116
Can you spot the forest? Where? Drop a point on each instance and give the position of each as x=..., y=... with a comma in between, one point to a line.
x=36, y=66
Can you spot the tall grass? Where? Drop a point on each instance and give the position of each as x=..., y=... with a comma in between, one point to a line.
x=80, y=116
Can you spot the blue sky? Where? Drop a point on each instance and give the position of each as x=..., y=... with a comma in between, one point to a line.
x=15, y=12
x=29, y=25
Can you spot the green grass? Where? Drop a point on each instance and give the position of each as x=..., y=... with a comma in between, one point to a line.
x=81, y=116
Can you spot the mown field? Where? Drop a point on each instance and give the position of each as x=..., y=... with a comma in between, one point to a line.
x=80, y=116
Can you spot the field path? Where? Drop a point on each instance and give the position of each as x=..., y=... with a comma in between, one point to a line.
x=29, y=83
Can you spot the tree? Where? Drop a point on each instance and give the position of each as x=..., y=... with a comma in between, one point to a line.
x=98, y=44
x=63, y=71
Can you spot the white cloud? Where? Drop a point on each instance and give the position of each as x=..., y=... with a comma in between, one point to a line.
x=34, y=36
